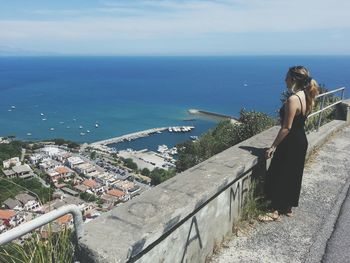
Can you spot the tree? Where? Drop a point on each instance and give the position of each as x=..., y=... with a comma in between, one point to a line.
x=223, y=136
x=145, y=172
x=93, y=155
x=130, y=164
x=159, y=175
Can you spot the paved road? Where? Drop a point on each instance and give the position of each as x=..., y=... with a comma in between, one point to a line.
x=303, y=237
x=338, y=246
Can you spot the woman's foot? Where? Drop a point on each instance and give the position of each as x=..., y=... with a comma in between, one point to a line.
x=272, y=216
x=265, y=218
x=287, y=212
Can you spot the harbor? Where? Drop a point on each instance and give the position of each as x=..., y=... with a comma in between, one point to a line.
x=141, y=134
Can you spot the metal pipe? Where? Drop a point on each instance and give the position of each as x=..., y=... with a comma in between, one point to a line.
x=320, y=116
x=27, y=227
x=325, y=108
x=329, y=92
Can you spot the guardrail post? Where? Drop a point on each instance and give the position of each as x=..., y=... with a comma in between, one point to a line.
x=320, y=114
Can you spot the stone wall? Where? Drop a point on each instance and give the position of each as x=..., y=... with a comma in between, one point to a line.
x=182, y=219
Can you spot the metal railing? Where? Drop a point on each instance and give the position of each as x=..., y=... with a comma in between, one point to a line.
x=322, y=108
x=40, y=221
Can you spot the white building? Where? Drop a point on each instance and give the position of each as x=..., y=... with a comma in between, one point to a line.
x=29, y=202
x=36, y=158
x=74, y=161
x=11, y=162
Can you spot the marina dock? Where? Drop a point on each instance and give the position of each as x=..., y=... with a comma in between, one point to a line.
x=140, y=134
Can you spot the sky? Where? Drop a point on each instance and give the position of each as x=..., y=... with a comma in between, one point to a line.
x=174, y=27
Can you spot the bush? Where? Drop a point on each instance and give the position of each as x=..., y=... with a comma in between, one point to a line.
x=145, y=172
x=223, y=136
x=160, y=175
x=130, y=164
x=88, y=197
x=57, y=248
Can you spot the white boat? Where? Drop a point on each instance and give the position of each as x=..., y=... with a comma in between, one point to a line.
x=61, y=122
x=9, y=110
x=87, y=131
x=13, y=107
x=68, y=127
x=170, y=129
x=96, y=125
x=42, y=114
x=52, y=129
x=193, y=137
x=80, y=127
x=159, y=132
x=82, y=133
x=162, y=148
x=29, y=134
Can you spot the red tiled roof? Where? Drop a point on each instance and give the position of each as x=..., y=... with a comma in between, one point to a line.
x=90, y=183
x=7, y=214
x=116, y=193
x=62, y=170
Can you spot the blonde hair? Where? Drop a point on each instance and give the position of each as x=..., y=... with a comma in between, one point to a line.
x=301, y=80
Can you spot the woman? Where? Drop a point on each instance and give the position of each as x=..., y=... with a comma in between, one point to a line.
x=283, y=179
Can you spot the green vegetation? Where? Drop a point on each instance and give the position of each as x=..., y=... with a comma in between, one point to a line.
x=93, y=155
x=145, y=172
x=160, y=175
x=69, y=144
x=88, y=197
x=255, y=203
x=130, y=164
x=13, y=149
x=223, y=136
x=57, y=248
x=9, y=188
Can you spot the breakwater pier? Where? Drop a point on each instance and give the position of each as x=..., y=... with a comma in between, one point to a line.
x=212, y=115
x=139, y=134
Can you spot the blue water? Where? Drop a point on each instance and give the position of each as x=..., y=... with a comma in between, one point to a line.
x=128, y=94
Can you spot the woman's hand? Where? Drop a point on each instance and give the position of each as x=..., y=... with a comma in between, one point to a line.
x=269, y=152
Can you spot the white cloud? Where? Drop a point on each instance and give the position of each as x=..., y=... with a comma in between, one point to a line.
x=148, y=19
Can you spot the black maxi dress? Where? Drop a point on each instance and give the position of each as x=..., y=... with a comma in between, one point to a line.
x=284, y=176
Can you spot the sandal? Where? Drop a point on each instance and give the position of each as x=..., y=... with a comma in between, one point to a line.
x=274, y=216
x=265, y=218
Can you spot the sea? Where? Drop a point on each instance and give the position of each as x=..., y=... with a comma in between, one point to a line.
x=63, y=97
